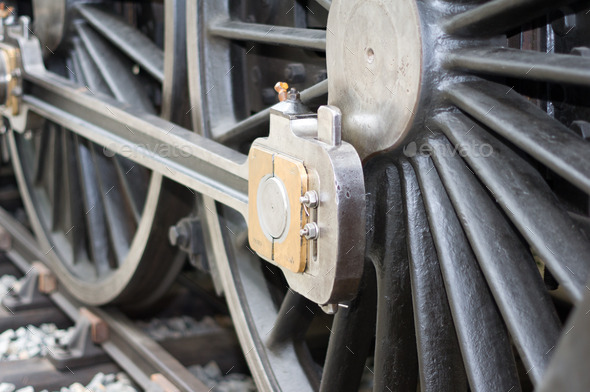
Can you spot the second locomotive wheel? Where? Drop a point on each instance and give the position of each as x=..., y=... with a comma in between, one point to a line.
x=102, y=217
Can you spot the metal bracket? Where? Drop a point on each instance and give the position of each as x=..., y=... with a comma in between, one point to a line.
x=82, y=349
x=32, y=290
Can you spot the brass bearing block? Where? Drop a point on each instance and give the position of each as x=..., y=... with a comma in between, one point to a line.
x=10, y=77
x=276, y=215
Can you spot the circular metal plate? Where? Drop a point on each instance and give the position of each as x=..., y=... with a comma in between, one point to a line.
x=374, y=58
x=273, y=207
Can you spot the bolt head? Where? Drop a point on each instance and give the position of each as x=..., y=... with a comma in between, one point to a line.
x=178, y=236
x=310, y=199
x=310, y=231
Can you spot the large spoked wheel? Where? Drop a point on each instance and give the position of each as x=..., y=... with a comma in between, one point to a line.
x=477, y=204
x=102, y=218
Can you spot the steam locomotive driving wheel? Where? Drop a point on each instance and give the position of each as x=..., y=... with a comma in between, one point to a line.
x=431, y=196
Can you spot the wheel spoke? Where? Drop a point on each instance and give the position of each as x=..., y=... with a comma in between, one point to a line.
x=120, y=224
x=134, y=181
x=56, y=178
x=353, y=330
x=526, y=200
x=292, y=322
x=439, y=355
x=485, y=345
x=273, y=35
x=41, y=154
x=499, y=16
x=396, y=364
x=549, y=67
x=89, y=72
x=117, y=75
x=527, y=126
x=93, y=209
x=128, y=39
x=72, y=204
x=507, y=264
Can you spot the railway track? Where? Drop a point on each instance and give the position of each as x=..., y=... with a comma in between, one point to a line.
x=114, y=342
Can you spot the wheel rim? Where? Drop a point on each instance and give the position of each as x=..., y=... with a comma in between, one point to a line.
x=432, y=259
x=98, y=214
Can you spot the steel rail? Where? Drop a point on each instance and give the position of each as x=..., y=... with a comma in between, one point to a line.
x=135, y=352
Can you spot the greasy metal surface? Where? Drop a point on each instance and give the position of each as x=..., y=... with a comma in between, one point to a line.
x=506, y=262
x=484, y=341
x=511, y=115
x=396, y=362
x=375, y=70
x=439, y=356
x=527, y=201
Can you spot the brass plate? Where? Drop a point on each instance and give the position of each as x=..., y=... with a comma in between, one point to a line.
x=260, y=165
x=291, y=251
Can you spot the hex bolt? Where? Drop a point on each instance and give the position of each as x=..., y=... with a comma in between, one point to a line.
x=295, y=73
x=179, y=236
x=310, y=199
x=293, y=95
x=310, y=231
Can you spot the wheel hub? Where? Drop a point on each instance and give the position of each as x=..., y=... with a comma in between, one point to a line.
x=374, y=58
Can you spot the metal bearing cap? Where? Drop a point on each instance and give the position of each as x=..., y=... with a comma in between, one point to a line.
x=307, y=208
x=273, y=207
